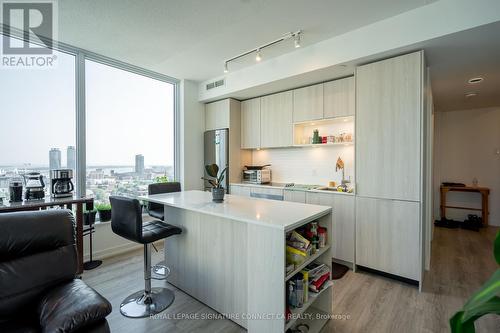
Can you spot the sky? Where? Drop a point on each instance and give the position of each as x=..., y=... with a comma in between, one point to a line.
x=127, y=114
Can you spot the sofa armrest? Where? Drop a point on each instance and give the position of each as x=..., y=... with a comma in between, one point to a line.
x=71, y=306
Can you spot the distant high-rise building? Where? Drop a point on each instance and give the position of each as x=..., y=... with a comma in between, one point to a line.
x=139, y=164
x=71, y=157
x=54, y=159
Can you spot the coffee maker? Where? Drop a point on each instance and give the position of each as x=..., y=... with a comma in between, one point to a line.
x=61, y=184
x=16, y=190
x=34, y=184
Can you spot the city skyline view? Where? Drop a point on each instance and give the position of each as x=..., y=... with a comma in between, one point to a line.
x=124, y=114
x=101, y=181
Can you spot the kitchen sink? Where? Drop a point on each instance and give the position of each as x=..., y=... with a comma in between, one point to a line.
x=326, y=188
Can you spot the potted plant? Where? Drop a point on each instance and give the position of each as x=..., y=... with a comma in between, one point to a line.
x=161, y=179
x=484, y=301
x=104, y=210
x=89, y=217
x=216, y=181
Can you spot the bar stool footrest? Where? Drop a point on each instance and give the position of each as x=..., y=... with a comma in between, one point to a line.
x=160, y=271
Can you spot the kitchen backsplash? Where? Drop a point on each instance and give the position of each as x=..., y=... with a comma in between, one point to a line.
x=307, y=165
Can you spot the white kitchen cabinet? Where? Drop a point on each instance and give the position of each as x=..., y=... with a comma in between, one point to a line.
x=217, y=115
x=387, y=236
x=276, y=120
x=343, y=213
x=388, y=128
x=339, y=100
x=239, y=190
x=389, y=113
x=308, y=103
x=250, y=123
x=294, y=196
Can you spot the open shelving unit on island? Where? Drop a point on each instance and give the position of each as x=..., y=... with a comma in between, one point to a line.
x=318, y=309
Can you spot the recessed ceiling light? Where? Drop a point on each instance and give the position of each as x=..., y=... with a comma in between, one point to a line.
x=475, y=80
x=470, y=94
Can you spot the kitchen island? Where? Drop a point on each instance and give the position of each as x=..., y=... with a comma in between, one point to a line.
x=231, y=256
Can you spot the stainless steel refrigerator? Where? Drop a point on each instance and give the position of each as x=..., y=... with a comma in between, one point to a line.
x=217, y=151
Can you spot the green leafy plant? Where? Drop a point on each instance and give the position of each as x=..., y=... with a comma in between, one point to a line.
x=216, y=177
x=162, y=179
x=103, y=206
x=484, y=301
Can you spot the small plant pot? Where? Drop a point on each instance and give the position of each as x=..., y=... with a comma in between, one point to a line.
x=89, y=218
x=104, y=215
x=218, y=194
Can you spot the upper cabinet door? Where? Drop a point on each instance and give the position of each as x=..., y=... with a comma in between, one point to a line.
x=276, y=120
x=250, y=123
x=217, y=115
x=308, y=103
x=388, y=128
x=339, y=98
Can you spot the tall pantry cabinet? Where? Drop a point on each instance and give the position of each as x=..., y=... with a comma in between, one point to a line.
x=389, y=149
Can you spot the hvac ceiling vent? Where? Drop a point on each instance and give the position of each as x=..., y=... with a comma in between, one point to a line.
x=216, y=84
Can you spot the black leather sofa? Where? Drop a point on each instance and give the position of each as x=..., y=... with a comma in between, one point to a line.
x=38, y=288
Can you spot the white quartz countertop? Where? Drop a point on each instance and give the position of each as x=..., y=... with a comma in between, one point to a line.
x=304, y=188
x=278, y=214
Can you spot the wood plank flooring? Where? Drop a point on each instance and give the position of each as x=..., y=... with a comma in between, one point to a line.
x=461, y=261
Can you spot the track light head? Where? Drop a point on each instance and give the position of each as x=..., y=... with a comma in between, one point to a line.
x=297, y=40
x=258, y=57
x=225, y=68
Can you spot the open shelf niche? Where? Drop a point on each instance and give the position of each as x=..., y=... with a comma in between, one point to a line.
x=340, y=129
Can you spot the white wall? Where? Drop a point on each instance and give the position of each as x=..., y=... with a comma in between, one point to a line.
x=467, y=145
x=311, y=165
x=192, y=127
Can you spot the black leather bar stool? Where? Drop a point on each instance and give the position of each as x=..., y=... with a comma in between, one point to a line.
x=126, y=221
x=160, y=270
x=157, y=210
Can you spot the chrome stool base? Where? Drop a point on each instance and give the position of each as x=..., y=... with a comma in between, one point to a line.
x=138, y=305
x=160, y=271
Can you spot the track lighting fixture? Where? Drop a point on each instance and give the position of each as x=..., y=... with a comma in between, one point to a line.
x=297, y=41
x=258, y=57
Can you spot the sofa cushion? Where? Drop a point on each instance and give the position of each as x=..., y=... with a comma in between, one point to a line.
x=26, y=233
x=71, y=306
x=24, y=279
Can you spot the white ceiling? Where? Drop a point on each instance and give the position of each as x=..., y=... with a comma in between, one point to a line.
x=191, y=39
x=456, y=58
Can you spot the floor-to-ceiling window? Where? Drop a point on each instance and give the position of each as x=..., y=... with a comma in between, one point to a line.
x=128, y=137
x=130, y=131
x=37, y=120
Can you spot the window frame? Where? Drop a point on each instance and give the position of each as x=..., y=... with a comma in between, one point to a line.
x=80, y=131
